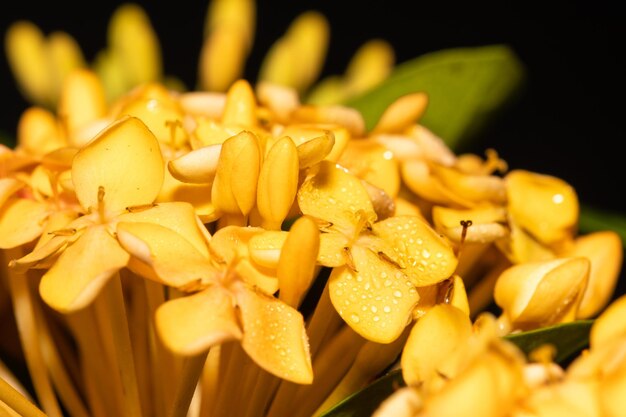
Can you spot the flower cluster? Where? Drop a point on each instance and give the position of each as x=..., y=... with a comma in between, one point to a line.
x=235, y=251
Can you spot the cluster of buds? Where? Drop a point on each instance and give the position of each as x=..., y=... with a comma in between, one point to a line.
x=240, y=252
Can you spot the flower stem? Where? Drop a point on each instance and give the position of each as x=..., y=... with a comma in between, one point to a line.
x=192, y=369
x=29, y=337
x=17, y=402
x=115, y=326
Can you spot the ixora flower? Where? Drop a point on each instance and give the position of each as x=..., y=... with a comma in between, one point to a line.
x=269, y=250
x=84, y=254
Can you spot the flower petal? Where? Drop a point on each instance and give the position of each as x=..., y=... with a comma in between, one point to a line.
x=265, y=247
x=536, y=294
x=376, y=300
x=432, y=339
x=278, y=183
x=604, y=250
x=235, y=184
x=546, y=206
x=488, y=223
x=427, y=257
x=197, y=166
x=177, y=216
x=334, y=195
x=82, y=270
x=402, y=113
x=274, y=336
x=126, y=160
x=176, y=262
x=192, y=324
x=21, y=221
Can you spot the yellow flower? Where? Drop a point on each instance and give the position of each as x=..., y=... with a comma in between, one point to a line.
x=87, y=249
x=376, y=264
x=225, y=304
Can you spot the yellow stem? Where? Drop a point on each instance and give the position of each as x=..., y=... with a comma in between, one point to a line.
x=101, y=386
x=192, y=369
x=16, y=401
x=371, y=360
x=7, y=375
x=265, y=385
x=62, y=381
x=229, y=380
x=29, y=338
x=331, y=364
x=163, y=361
x=115, y=326
x=139, y=324
x=209, y=382
x=323, y=323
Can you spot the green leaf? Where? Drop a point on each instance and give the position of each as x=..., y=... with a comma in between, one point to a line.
x=366, y=401
x=467, y=87
x=569, y=339
x=594, y=220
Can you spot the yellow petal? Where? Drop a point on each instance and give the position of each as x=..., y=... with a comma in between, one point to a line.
x=604, y=250
x=21, y=221
x=176, y=262
x=257, y=276
x=335, y=195
x=373, y=163
x=232, y=242
x=432, y=339
x=402, y=113
x=235, y=185
x=26, y=51
x=522, y=247
x=278, y=183
x=126, y=161
x=82, y=270
x=544, y=205
x=488, y=223
x=241, y=107
x=296, y=59
x=198, y=195
x=303, y=133
x=198, y=166
x=81, y=102
x=208, y=132
x=237, y=14
x=274, y=336
x=177, y=216
x=298, y=260
x=371, y=64
x=376, y=300
x=417, y=176
x=315, y=150
x=222, y=58
x=537, y=294
x=475, y=188
x=65, y=56
x=428, y=258
x=281, y=100
x=192, y=324
x=610, y=324
x=265, y=247
x=8, y=187
x=203, y=103
x=131, y=35
x=38, y=131
x=340, y=115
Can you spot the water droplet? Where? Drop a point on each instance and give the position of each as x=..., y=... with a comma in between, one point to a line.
x=419, y=241
x=367, y=286
x=425, y=254
x=339, y=293
x=374, y=309
x=383, y=275
x=387, y=309
x=355, y=318
x=397, y=293
x=376, y=318
x=388, y=283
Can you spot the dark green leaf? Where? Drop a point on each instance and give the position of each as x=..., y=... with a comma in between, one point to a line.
x=467, y=87
x=569, y=339
x=6, y=139
x=365, y=402
x=593, y=220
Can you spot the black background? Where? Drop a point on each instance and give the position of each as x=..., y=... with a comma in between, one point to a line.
x=569, y=121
